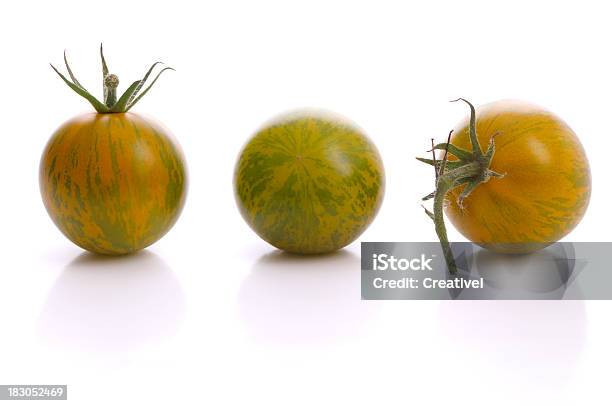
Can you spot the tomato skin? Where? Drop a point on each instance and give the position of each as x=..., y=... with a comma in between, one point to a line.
x=113, y=183
x=547, y=184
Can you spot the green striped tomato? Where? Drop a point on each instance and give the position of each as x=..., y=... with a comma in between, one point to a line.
x=113, y=183
x=309, y=182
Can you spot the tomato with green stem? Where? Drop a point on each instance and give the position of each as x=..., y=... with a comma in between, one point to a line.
x=112, y=181
x=527, y=189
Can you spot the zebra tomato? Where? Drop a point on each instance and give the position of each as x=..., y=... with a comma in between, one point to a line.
x=112, y=181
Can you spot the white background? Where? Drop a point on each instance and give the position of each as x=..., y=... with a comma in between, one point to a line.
x=213, y=315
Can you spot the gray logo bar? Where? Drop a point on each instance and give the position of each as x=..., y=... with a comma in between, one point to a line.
x=417, y=271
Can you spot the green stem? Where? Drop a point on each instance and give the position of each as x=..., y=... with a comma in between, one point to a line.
x=111, y=98
x=111, y=82
x=446, y=182
x=470, y=169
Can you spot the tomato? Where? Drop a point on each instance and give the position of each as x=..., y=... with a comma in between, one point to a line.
x=546, y=186
x=113, y=183
x=309, y=182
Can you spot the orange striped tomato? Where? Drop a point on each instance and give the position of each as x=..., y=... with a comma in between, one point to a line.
x=546, y=186
x=113, y=183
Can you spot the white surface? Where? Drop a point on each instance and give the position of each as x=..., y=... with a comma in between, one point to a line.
x=211, y=314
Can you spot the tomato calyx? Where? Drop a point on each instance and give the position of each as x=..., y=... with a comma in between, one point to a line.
x=469, y=169
x=110, y=82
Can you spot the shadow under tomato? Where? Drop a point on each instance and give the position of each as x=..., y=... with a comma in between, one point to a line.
x=528, y=342
x=112, y=304
x=301, y=300
x=545, y=274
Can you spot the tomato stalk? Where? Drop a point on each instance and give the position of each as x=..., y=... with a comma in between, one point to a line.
x=110, y=90
x=469, y=169
x=110, y=82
